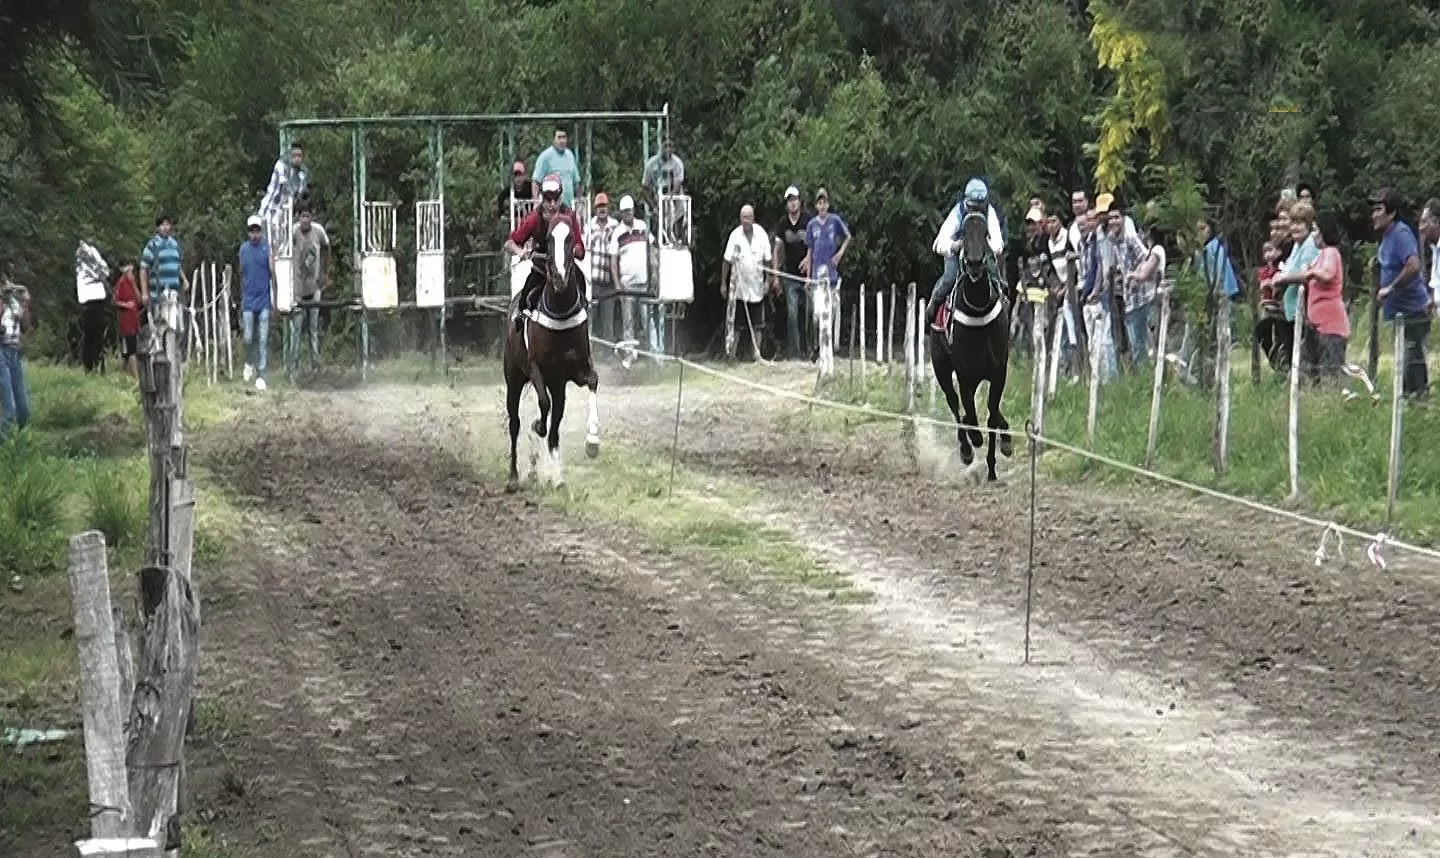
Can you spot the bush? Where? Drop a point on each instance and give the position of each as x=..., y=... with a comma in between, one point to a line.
x=115, y=504
x=32, y=509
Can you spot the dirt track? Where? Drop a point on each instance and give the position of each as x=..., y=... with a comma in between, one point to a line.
x=419, y=661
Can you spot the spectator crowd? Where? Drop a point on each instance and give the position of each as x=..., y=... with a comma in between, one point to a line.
x=1101, y=274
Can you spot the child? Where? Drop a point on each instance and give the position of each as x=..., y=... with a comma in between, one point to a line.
x=127, y=303
x=1273, y=332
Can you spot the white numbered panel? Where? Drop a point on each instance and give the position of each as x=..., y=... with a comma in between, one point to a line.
x=284, y=284
x=677, y=275
x=379, y=287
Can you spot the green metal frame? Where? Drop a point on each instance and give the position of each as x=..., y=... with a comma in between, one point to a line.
x=437, y=122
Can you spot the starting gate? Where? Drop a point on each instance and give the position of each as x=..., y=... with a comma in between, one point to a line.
x=379, y=287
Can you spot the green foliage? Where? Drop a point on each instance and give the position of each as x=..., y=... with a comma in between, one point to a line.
x=892, y=106
x=32, y=509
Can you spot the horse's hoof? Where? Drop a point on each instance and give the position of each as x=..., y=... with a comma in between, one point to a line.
x=538, y=427
x=592, y=448
x=967, y=456
x=990, y=477
x=1007, y=446
x=977, y=438
x=512, y=486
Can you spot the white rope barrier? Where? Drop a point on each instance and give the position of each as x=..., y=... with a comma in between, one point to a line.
x=1376, y=542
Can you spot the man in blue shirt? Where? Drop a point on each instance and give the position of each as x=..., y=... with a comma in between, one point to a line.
x=560, y=159
x=257, y=298
x=160, y=270
x=827, y=237
x=1402, y=291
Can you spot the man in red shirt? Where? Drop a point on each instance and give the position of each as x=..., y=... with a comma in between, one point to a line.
x=127, y=304
x=534, y=231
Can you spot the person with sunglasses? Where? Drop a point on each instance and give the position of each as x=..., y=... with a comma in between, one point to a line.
x=534, y=232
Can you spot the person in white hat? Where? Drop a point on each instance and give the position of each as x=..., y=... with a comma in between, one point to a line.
x=630, y=258
x=257, y=298
x=789, y=252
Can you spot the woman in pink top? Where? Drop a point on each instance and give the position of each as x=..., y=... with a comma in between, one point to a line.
x=1328, y=325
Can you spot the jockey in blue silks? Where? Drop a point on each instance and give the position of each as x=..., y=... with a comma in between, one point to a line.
x=976, y=197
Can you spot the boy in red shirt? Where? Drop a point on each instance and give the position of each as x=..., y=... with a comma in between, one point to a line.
x=1274, y=333
x=127, y=304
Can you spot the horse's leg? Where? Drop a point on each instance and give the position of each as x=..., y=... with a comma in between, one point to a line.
x=591, y=381
x=945, y=377
x=968, y=386
x=514, y=389
x=996, y=419
x=557, y=397
x=542, y=398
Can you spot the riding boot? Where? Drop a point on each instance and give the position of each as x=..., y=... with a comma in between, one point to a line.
x=937, y=298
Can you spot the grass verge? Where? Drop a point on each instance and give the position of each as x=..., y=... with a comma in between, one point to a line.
x=632, y=489
x=80, y=465
x=1344, y=446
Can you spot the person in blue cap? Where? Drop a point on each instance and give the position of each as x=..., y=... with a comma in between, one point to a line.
x=975, y=197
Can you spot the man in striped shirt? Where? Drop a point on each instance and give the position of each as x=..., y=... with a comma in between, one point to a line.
x=288, y=183
x=160, y=266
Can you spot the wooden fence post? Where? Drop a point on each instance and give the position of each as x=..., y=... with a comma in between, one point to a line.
x=1158, y=385
x=1293, y=433
x=1222, y=386
x=1392, y=482
x=101, y=683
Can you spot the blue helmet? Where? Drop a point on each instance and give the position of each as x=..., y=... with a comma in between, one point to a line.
x=976, y=192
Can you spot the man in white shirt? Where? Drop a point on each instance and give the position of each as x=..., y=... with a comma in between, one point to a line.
x=742, y=278
x=1080, y=204
x=630, y=260
x=91, y=271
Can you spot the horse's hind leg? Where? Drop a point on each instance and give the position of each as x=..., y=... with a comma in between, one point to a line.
x=557, y=414
x=514, y=388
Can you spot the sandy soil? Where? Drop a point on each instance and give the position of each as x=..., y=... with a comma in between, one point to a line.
x=426, y=666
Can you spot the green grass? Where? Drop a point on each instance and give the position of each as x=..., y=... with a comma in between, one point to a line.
x=1344, y=447
x=81, y=464
x=631, y=488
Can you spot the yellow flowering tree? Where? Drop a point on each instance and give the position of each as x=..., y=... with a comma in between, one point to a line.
x=1138, y=102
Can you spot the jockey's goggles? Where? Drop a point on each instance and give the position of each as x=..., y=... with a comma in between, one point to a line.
x=550, y=196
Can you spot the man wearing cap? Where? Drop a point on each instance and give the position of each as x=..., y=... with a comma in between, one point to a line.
x=598, y=233
x=629, y=263
x=788, y=258
x=1402, y=290
x=947, y=242
x=532, y=235
x=742, y=276
x=520, y=189
x=257, y=299
x=559, y=160
x=827, y=237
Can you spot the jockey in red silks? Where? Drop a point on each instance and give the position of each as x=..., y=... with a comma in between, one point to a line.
x=534, y=230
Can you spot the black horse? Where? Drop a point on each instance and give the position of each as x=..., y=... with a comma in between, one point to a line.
x=973, y=344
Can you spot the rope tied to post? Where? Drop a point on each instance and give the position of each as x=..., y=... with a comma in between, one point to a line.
x=1331, y=529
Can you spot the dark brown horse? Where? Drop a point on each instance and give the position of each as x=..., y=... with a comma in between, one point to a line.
x=974, y=346
x=551, y=350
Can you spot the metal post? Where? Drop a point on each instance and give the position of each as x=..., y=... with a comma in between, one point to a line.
x=589, y=155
